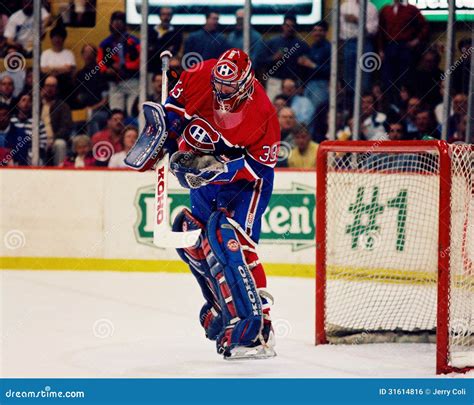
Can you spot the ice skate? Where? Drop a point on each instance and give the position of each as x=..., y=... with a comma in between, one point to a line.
x=263, y=348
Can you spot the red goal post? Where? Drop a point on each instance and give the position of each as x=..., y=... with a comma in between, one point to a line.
x=383, y=260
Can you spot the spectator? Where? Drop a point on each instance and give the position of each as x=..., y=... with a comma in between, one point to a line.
x=402, y=31
x=3, y=41
x=462, y=72
x=83, y=13
x=400, y=105
x=321, y=117
x=57, y=119
x=22, y=119
x=287, y=120
x=438, y=110
x=301, y=105
x=163, y=37
x=175, y=71
x=405, y=162
x=303, y=155
x=236, y=39
x=118, y=58
x=7, y=88
x=207, y=42
x=3, y=21
x=59, y=62
x=396, y=131
x=279, y=102
x=82, y=153
x=381, y=102
x=318, y=63
x=91, y=90
x=112, y=134
x=460, y=134
x=79, y=12
x=156, y=88
x=18, y=75
x=349, y=22
x=459, y=111
x=426, y=124
x=155, y=96
x=372, y=121
x=14, y=142
x=5, y=158
x=345, y=133
x=427, y=78
x=282, y=55
x=414, y=105
x=129, y=137
x=19, y=29
x=28, y=86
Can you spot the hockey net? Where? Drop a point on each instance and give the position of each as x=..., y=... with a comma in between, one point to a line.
x=395, y=246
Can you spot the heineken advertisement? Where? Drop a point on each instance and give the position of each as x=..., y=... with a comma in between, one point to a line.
x=373, y=220
x=437, y=10
x=288, y=220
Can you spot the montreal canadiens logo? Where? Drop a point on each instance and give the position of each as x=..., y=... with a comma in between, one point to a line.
x=200, y=135
x=226, y=70
x=233, y=245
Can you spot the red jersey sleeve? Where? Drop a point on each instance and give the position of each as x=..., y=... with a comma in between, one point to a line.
x=262, y=152
x=176, y=100
x=184, y=97
x=264, y=149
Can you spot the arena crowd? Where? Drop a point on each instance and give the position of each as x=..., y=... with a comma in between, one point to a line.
x=402, y=83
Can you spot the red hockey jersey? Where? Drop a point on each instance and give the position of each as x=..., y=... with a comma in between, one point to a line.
x=252, y=131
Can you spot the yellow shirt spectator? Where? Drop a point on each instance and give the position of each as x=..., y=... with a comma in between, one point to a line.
x=303, y=155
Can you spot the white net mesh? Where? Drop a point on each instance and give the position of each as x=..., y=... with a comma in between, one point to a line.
x=461, y=254
x=381, y=243
x=382, y=216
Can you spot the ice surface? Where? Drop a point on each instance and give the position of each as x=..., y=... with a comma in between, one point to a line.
x=109, y=324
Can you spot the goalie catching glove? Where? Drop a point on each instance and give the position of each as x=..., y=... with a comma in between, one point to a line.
x=194, y=171
x=158, y=134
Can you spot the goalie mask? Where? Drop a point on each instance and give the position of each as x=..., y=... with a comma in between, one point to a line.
x=232, y=80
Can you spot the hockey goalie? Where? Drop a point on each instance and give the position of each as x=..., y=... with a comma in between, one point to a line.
x=226, y=136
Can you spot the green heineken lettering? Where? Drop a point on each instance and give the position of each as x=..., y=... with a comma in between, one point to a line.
x=359, y=209
x=289, y=218
x=400, y=203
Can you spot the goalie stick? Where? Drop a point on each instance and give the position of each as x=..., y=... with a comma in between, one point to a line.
x=163, y=236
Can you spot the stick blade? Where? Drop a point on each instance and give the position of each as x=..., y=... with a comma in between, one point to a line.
x=165, y=238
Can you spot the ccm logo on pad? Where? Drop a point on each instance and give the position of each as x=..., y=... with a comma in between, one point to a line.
x=233, y=245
